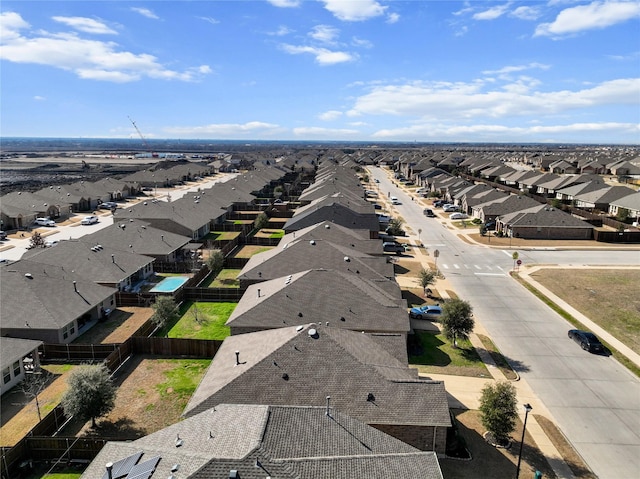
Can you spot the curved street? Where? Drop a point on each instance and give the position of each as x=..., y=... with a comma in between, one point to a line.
x=593, y=399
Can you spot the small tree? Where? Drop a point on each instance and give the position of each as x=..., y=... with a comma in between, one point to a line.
x=623, y=215
x=37, y=241
x=457, y=320
x=33, y=384
x=499, y=411
x=165, y=311
x=215, y=262
x=261, y=221
x=90, y=394
x=395, y=227
x=426, y=277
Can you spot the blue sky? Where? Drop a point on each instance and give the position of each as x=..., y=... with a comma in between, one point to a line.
x=359, y=70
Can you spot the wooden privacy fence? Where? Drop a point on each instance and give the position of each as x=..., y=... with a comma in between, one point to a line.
x=213, y=294
x=76, y=352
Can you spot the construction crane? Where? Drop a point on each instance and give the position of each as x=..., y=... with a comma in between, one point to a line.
x=144, y=141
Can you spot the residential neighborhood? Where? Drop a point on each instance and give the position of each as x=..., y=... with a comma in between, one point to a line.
x=317, y=368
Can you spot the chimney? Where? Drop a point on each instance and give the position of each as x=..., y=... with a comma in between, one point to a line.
x=237, y=358
x=109, y=467
x=75, y=287
x=328, y=412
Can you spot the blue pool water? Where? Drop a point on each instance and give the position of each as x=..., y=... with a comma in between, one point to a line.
x=170, y=284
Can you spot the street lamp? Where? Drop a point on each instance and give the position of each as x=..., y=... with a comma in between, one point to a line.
x=527, y=409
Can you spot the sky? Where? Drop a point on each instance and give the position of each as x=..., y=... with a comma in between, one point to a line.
x=558, y=71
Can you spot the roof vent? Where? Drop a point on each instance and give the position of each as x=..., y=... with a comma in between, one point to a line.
x=299, y=328
x=312, y=242
x=175, y=467
x=285, y=376
x=313, y=333
x=144, y=203
x=179, y=441
x=28, y=275
x=347, y=259
x=327, y=226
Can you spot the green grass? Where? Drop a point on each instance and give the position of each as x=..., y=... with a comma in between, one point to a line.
x=277, y=234
x=182, y=379
x=227, y=278
x=62, y=475
x=221, y=235
x=497, y=357
x=210, y=324
x=439, y=356
x=630, y=365
x=57, y=368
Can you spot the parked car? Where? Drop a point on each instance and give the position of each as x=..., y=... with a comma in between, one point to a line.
x=396, y=202
x=44, y=222
x=449, y=208
x=439, y=203
x=392, y=247
x=3, y=235
x=376, y=206
x=428, y=213
x=108, y=205
x=50, y=243
x=89, y=220
x=426, y=312
x=490, y=225
x=587, y=341
x=458, y=216
x=377, y=180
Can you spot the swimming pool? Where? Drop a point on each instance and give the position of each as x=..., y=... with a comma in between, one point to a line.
x=170, y=284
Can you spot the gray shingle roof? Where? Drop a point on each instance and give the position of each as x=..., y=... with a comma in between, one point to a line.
x=342, y=299
x=287, y=366
x=12, y=349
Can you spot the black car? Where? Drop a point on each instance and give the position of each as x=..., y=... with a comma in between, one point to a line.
x=429, y=213
x=439, y=203
x=587, y=340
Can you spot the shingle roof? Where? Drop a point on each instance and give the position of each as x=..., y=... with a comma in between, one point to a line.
x=278, y=441
x=291, y=366
x=341, y=299
x=12, y=349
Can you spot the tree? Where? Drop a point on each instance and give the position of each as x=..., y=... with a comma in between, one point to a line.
x=37, y=241
x=261, y=221
x=623, y=215
x=498, y=407
x=165, y=311
x=215, y=262
x=395, y=227
x=426, y=277
x=33, y=384
x=91, y=393
x=457, y=320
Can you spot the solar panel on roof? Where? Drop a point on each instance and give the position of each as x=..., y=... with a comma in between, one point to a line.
x=145, y=469
x=123, y=466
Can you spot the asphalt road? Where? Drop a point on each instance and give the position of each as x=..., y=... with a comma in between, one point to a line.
x=594, y=400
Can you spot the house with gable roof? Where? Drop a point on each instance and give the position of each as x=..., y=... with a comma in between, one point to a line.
x=340, y=299
x=251, y=441
x=17, y=356
x=301, y=366
x=544, y=222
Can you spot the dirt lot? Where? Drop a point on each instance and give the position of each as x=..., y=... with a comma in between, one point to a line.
x=122, y=323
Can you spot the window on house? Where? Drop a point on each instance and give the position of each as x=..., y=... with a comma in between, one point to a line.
x=16, y=368
x=72, y=329
x=6, y=375
x=65, y=332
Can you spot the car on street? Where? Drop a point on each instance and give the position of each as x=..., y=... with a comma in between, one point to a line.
x=44, y=222
x=428, y=213
x=458, y=216
x=89, y=220
x=426, y=312
x=587, y=340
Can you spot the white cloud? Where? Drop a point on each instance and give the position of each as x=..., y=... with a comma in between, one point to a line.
x=330, y=115
x=492, y=132
x=516, y=68
x=252, y=129
x=314, y=132
x=492, y=13
x=210, y=20
x=281, y=31
x=39, y=98
x=393, y=18
x=86, y=25
x=88, y=59
x=596, y=15
x=324, y=34
x=323, y=56
x=482, y=99
x=11, y=24
x=285, y=3
x=361, y=42
x=354, y=11
x=526, y=13
x=145, y=12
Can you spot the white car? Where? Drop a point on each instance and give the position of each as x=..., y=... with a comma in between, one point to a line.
x=458, y=216
x=448, y=208
x=89, y=220
x=50, y=243
x=44, y=222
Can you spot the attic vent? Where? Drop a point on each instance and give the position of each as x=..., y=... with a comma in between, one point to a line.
x=175, y=467
x=144, y=203
x=347, y=259
x=327, y=226
x=28, y=275
x=313, y=333
x=179, y=441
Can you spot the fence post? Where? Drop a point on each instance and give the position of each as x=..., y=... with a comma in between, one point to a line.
x=68, y=353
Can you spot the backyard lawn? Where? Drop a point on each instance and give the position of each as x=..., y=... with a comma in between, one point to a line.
x=247, y=251
x=433, y=353
x=227, y=278
x=203, y=320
